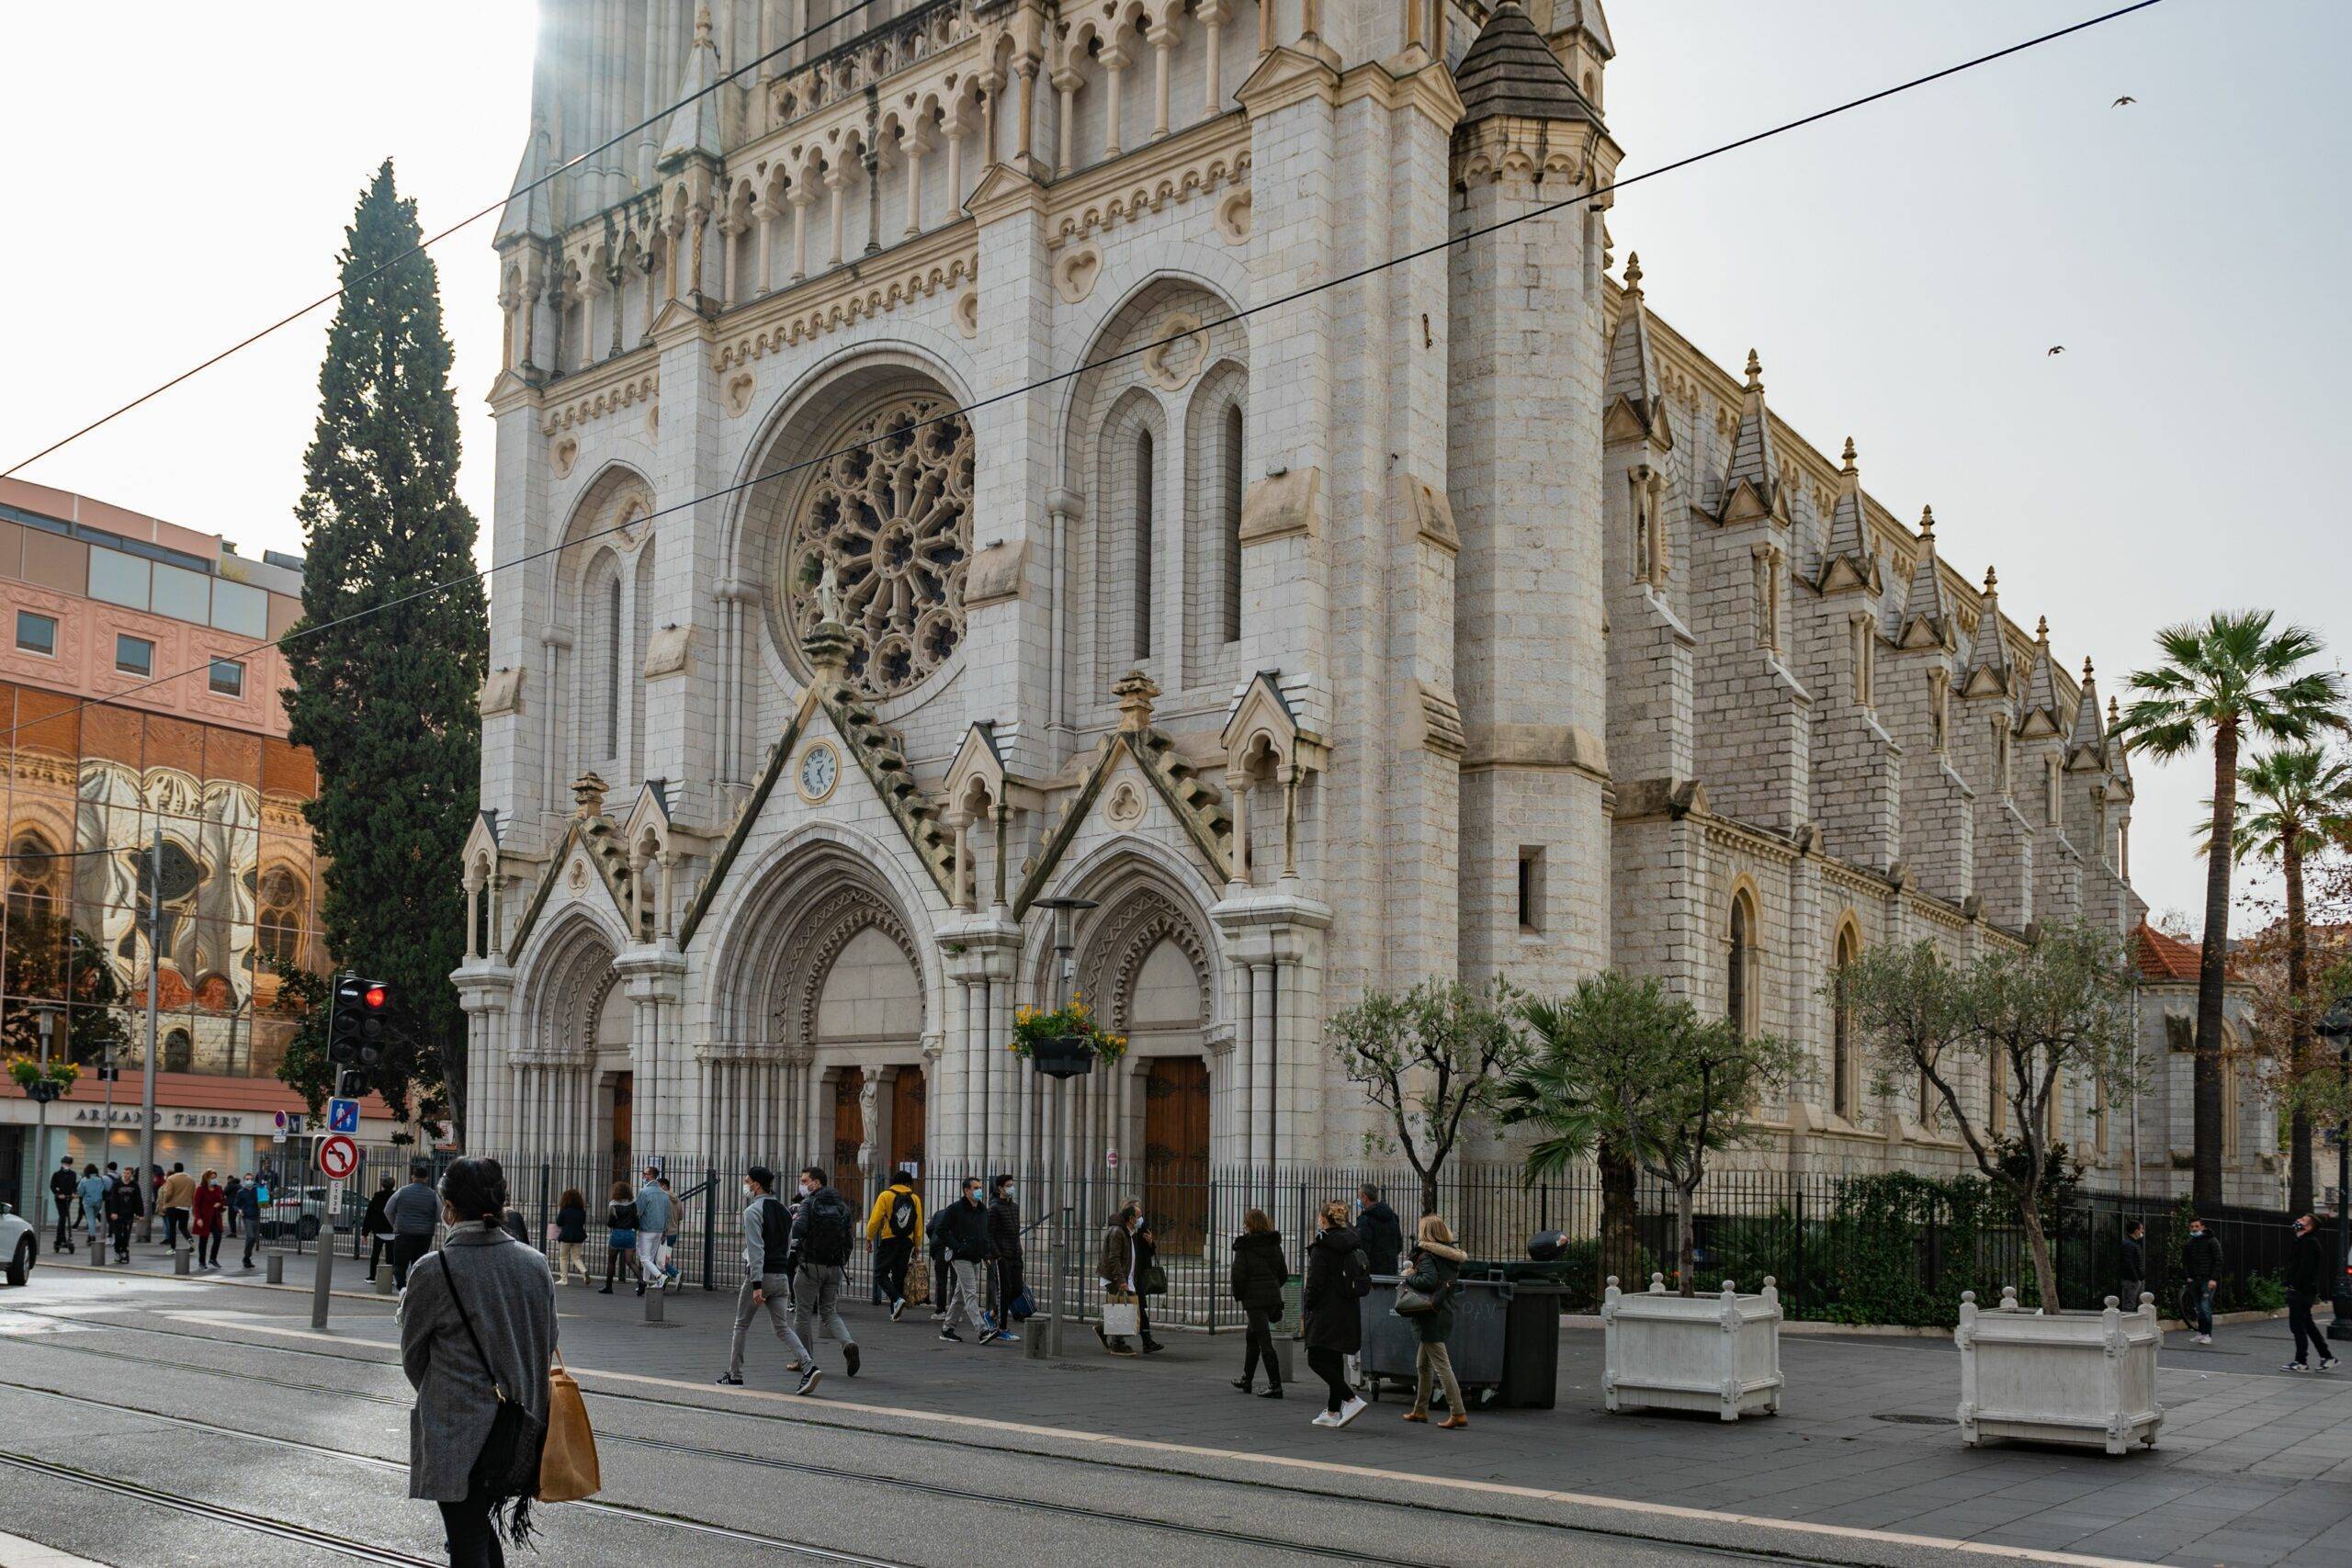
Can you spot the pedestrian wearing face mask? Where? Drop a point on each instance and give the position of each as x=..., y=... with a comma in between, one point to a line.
x=1004, y=1237
x=2306, y=1269
x=2200, y=1263
x=821, y=1231
x=964, y=1237
x=767, y=1234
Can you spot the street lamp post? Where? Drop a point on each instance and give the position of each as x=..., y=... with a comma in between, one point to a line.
x=43, y=1092
x=2336, y=1027
x=1061, y=1069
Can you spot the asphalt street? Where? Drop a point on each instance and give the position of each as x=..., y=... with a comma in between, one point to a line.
x=220, y=1399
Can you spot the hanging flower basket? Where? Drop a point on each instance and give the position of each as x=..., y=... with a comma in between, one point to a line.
x=42, y=1083
x=1065, y=1042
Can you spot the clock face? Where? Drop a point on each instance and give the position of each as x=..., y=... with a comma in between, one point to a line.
x=820, y=768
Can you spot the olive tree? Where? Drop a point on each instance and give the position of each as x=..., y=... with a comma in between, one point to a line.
x=1619, y=1064
x=1433, y=1059
x=1996, y=1040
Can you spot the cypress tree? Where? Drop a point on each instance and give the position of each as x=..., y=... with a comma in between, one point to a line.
x=387, y=702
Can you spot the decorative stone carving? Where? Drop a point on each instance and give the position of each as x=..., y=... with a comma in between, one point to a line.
x=1178, y=350
x=890, y=514
x=967, y=313
x=1127, y=804
x=1075, y=272
x=737, y=393
x=501, y=692
x=1233, y=217
x=565, y=454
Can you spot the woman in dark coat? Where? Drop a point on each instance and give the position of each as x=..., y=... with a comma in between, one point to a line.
x=571, y=1237
x=376, y=1225
x=1334, y=1313
x=620, y=1235
x=1004, y=1235
x=1259, y=1275
x=479, y=1318
x=1432, y=1269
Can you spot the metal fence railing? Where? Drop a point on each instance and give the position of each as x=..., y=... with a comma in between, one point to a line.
x=1888, y=1249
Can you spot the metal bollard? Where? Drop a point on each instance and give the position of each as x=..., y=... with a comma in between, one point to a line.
x=652, y=1306
x=180, y=1261
x=276, y=1269
x=384, y=1281
x=1281, y=1357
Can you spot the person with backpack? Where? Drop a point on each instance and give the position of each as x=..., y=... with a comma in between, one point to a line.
x=942, y=1277
x=1257, y=1277
x=819, y=1250
x=620, y=1235
x=891, y=1230
x=963, y=1229
x=122, y=1207
x=1432, y=1270
x=653, y=1228
x=1337, y=1279
x=768, y=1236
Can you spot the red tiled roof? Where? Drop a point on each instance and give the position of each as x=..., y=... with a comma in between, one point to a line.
x=2163, y=957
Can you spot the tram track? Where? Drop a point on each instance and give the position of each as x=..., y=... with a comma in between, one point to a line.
x=694, y=1453
x=263, y=1524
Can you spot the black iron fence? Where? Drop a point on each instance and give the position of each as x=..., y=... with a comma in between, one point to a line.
x=1888, y=1248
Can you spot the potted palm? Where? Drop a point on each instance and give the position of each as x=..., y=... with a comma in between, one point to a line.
x=1620, y=1063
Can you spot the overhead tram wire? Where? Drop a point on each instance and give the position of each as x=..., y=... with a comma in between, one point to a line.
x=1291, y=297
x=469, y=220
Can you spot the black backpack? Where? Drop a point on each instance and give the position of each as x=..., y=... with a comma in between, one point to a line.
x=901, y=1219
x=1356, y=1269
x=776, y=1235
x=824, y=1237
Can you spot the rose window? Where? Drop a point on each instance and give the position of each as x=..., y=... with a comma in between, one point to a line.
x=891, y=513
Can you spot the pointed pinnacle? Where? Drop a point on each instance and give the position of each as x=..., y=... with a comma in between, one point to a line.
x=1928, y=523
x=1992, y=581
x=1633, y=271
x=1850, y=454
x=702, y=24
x=2086, y=668
x=2041, y=629
x=1754, y=372
x=2110, y=710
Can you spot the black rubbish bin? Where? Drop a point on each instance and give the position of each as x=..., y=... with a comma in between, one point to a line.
x=1506, y=1341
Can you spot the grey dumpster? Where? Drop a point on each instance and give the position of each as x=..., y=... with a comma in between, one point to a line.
x=1506, y=1340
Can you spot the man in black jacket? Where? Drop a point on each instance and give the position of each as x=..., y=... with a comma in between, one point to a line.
x=2135, y=1265
x=963, y=1229
x=2306, y=1270
x=62, y=1183
x=1378, y=1231
x=2201, y=1264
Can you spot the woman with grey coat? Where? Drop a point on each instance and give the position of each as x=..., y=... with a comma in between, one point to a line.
x=508, y=1295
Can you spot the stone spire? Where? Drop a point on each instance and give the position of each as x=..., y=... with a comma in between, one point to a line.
x=1632, y=364
x=694, y=129
x=1509, y=71
x=531, y=215
x=1988, y=657
x=1926, y=618
x=2040, y=715
x=1753, y=461
x=2119, y=765
x=2087, y=743
x=1849, y=558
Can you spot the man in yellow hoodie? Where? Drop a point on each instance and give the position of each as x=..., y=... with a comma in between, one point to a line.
x=891, y=1229
x=176, y=1197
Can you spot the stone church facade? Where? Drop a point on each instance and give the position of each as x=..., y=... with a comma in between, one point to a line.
x=936, y=498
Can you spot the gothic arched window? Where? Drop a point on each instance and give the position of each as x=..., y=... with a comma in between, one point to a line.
x=279, y=919
x=1739, y=960
x=1230, y=466
x=1841, y=1031
x=1143, y=544
x=34, y=884
x=609, y=676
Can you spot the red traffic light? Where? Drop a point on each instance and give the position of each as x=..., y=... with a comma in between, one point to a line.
x=373, y=998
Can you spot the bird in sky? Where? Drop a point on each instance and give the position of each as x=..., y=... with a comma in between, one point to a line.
x=2056, y=349
x=2126, y=98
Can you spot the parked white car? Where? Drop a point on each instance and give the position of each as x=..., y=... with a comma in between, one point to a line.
x=18, y=1244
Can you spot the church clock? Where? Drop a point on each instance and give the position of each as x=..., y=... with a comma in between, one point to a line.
x=821, y=769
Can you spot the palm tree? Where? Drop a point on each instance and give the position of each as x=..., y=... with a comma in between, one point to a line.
x=2227, y=679
x=2299, y=801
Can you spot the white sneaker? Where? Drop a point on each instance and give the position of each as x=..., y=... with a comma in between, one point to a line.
x=1325, y=1418
x=2204, y=1340
x=1349, y=1411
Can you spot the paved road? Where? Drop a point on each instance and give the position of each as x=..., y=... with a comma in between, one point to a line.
x=942, y=1453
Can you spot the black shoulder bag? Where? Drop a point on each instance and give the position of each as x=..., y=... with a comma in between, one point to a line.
x=507, y=1470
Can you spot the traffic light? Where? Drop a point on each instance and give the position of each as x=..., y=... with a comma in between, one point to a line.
x=357, y=1029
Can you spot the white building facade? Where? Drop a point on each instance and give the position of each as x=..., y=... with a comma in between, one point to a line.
x=945, y=489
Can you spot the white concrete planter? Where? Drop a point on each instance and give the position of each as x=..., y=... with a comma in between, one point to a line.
x=2075, y=1377
x=1720, y=1353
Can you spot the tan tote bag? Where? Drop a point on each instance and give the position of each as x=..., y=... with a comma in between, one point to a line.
x=567, y=1470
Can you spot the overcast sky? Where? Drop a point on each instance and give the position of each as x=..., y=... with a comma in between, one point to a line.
x=1903, y=271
